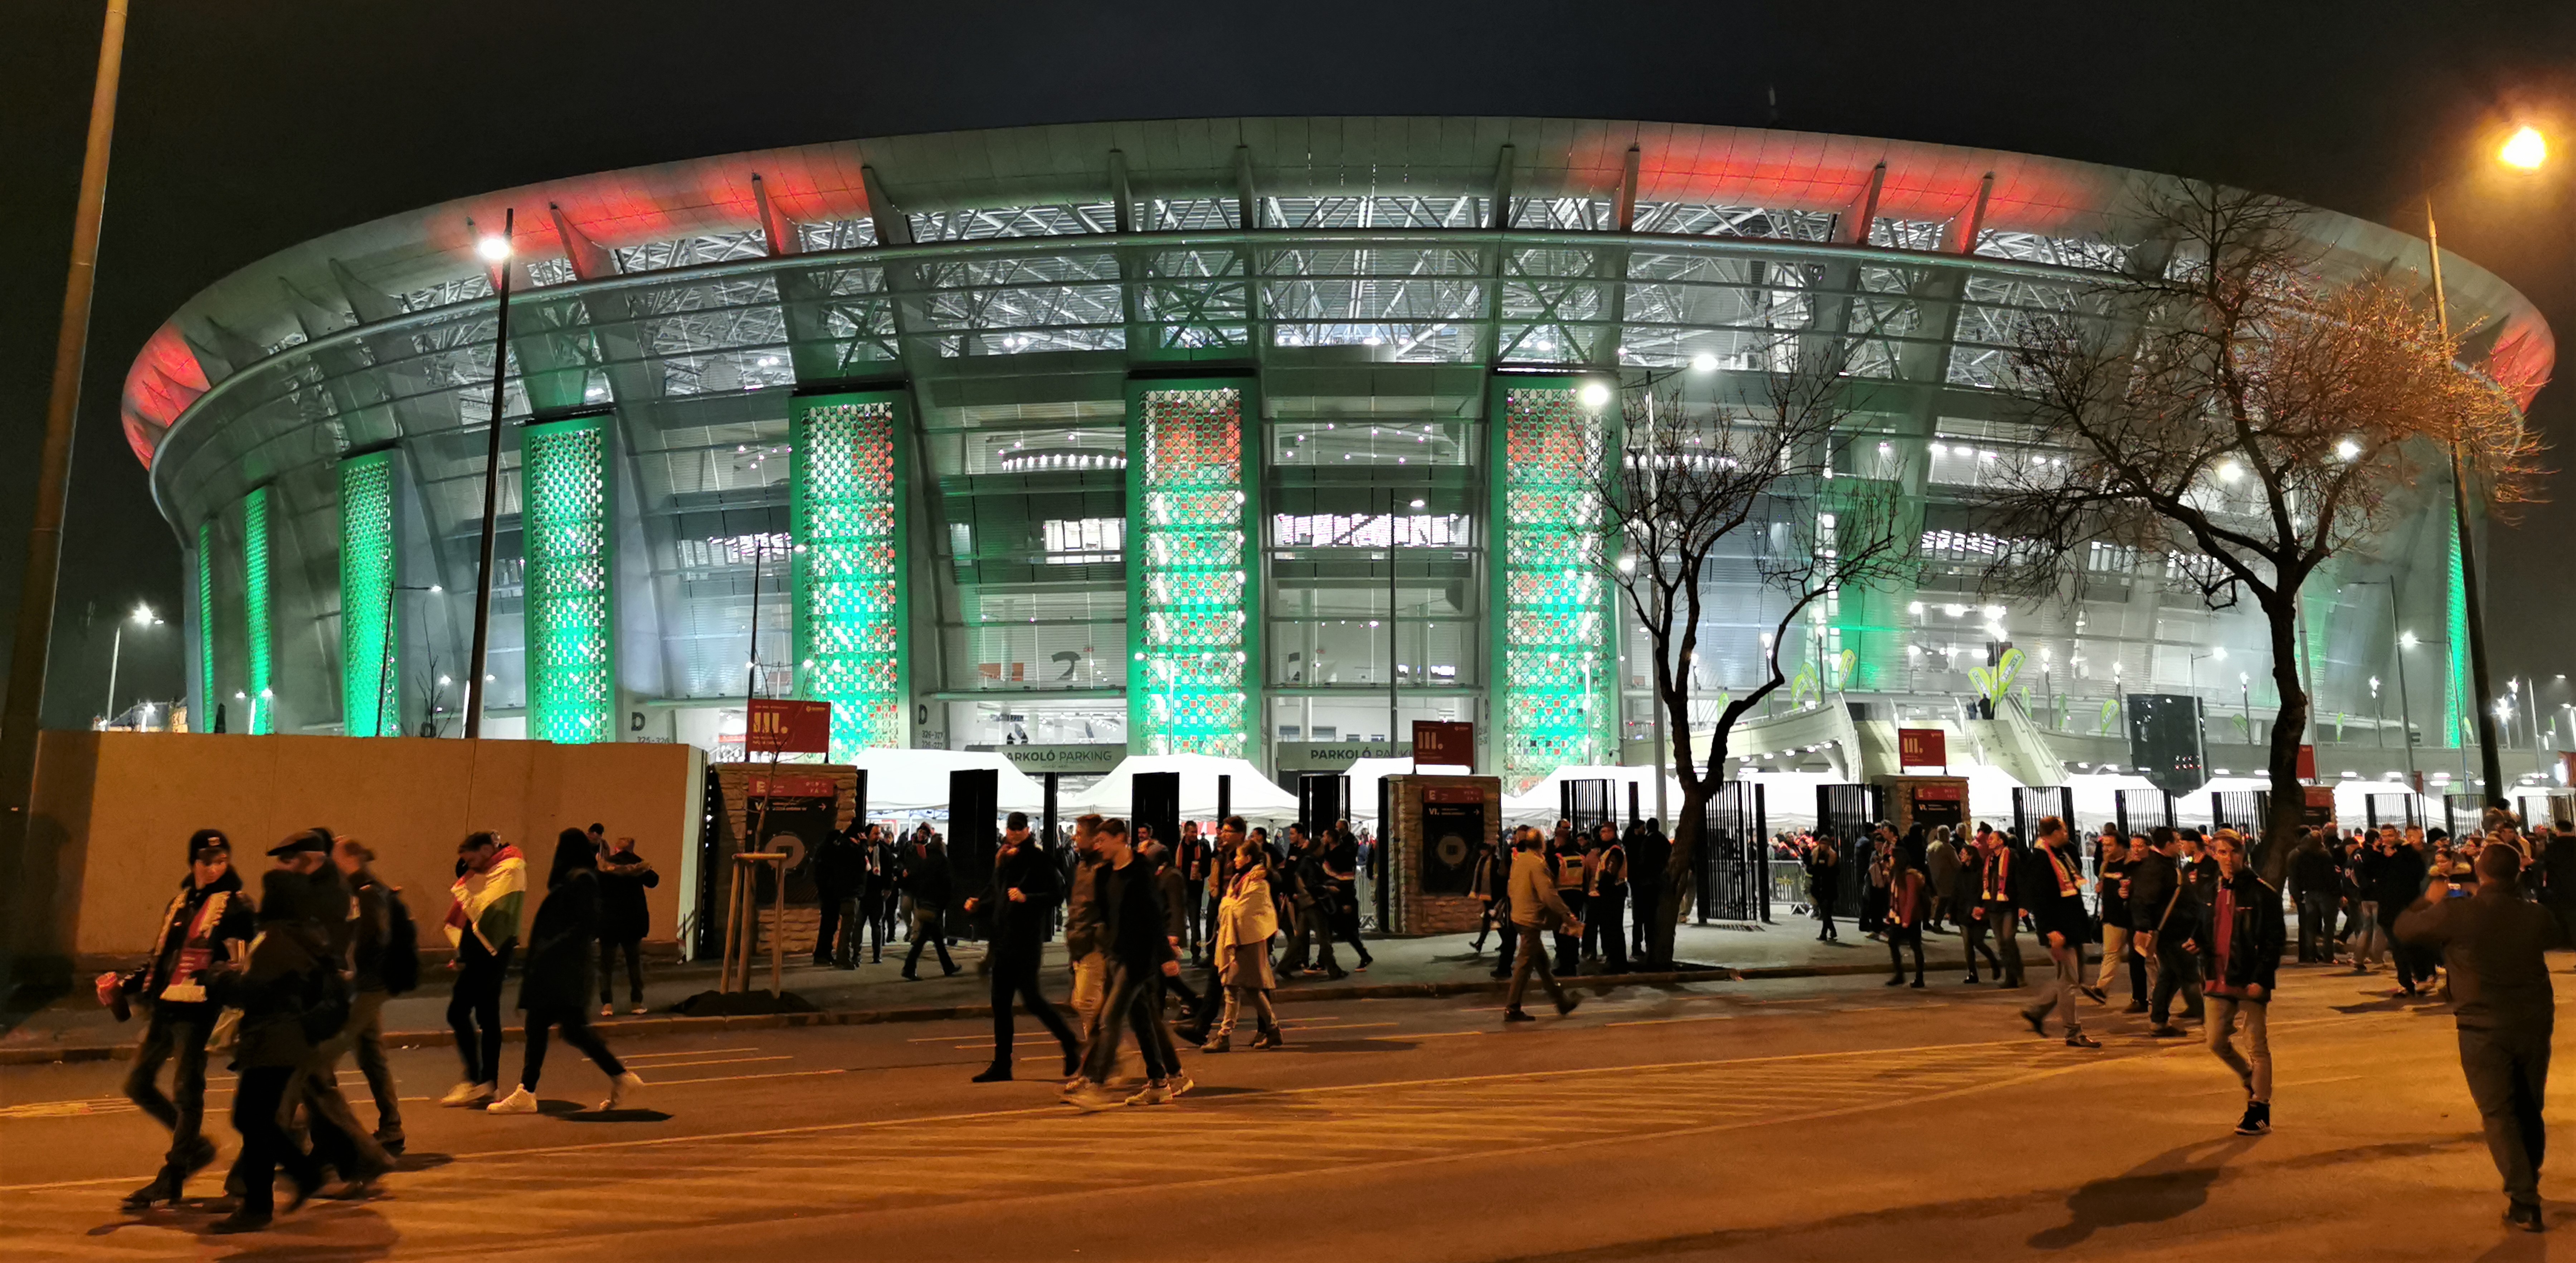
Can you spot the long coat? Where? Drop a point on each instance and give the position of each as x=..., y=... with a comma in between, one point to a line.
x=562, y=946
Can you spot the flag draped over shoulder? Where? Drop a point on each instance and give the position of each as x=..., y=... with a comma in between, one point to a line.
x=488, y=902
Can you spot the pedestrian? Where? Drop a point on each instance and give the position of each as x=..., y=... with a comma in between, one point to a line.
x=1606, y=894
x=555, y=991
x=839, y=867
x=1245, y=921
x=2505, y=1011
x=483, y=926
x=1565, y=860
x=1482, y=885
x=207, y=925
x=1506, y=932
x=1172, y=891
x=2240, y=952
x=1998, y=908
x=380, y=955
x=2397, y=881
x=877, y=899
x=1941, y=871
x=1025, y=891
x=2315, y=884
x=1139, y=951
x=1315, y=911
x=2053, y=891
x=2167, y=910
x=1905, y=910
x=2110, y=890
x=1536, y=909
x=1195, y=857
x=275, y=991
x=1086, y=937
x=928, y=884
x=624, y=918
x=1824, y=885
x=1341, y=865
x=1649, y=853
x=1875, y=874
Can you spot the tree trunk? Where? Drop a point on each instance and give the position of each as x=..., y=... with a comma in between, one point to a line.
x=1689, y=830
x=2289, y=726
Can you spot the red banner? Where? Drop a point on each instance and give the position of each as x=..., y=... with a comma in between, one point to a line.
x=2307, y=763
x=1444, y=743
x=779, y=726
x=1922, y=747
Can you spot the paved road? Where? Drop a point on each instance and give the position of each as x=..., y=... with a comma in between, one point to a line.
x=1821, y=1119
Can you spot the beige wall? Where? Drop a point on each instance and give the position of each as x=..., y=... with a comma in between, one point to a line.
x=113, y=811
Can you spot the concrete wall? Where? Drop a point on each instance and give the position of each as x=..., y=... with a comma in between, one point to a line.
x=113, y=811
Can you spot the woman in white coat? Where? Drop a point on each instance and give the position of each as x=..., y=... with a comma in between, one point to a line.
x=1245, y=921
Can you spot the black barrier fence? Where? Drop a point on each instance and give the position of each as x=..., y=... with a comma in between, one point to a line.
x=2397, y=809
x=1585, y=803
x=2244, y=810
x=1322, y=798
x=973, y=803
x=1155, y=799
x=1845, y=813
x=2462, y=812
x=2140, y=810
x=1734, y=869
x=2030, y=805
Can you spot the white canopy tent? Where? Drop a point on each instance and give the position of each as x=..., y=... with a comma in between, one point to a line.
x=1254, y=796
x=2097, y=796
x=1541, y=803
x=1789, y=798
x=1990, y=794
x=914, y=782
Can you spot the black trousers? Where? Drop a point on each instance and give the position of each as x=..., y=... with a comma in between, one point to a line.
x=1015, y=976
x=176, y=1034
x=1972, y=940
x=2177, y=971
x=1644, y=898
x=608, y=952
x=833, y=919
x=1130, y=1003
x=576, y=1032
x=1346, y=921
x=1898, y=938
x=474, y=1008
x=1193, y=906
x=1603, y=934
x=258, y=1098
x=929, y=929
x=2414, y=966
x=2508, y=1074
x=1569, y=948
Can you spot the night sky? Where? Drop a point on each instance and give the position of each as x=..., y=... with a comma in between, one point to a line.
x=249, y=125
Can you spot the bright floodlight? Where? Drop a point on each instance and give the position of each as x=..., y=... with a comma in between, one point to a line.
x=2525, y=149
x=1593, y=394
x=143, y=616
x=2219, y=653
x=495, y=250
x=2347, y=449
x=2230, y=472
x=1704, y=363
x=2406, y=640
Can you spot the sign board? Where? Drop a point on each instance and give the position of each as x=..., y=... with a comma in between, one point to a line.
x=1444, y=743
x=2166, y=745
x=1330, y=756
x=2307, y=763
x=2320, y=806
x=790, y=785
x=1922, y=747
x=1073, y=760
x=779, y=725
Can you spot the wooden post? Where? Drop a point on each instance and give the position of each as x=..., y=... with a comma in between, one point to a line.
x=733, y=927
x=778, y=930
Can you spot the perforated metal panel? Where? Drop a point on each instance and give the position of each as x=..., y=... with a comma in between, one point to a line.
x=260, y=649
x=1551, y=615
x=566, y=529
x=207, y=697
x=1189, y=690
x=847, y=493
x=367, y=678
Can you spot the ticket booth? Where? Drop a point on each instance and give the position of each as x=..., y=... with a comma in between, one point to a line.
x=1443, y=827
x=1930, y=801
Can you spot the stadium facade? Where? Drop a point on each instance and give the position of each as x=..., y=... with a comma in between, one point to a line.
x=1245, y=436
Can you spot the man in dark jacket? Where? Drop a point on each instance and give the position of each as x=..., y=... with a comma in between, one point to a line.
x=1131, y=919
x=839, y=866
x=624, y=919
x=286, y=963
x=1648, y=852
x=1998, y=901
x=2239, y=946
x=2053, y=893
x=328, y=905
x=2395, y=881
x=926, y=880
x=209, y=922
x=2506, y=1012
x=1024, y=898
x=2164, y=914
x=372, y=909
x=2315, y=881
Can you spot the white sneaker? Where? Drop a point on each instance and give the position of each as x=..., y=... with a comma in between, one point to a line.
x=1157, y=1092
x=519, y=1101
x=1180, y=1083
x=1091, y=1098
x=608, y=1010
x=638, y=1010
x=621, y=1091
x=467, y=1094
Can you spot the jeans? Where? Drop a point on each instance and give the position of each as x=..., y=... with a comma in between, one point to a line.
x=1015, y=974
x=2004, y=922
x=608, y=952
x=928, y=930
x=2316, y=926
x=576, y=1032
x=2369, y=939
x=367, y=1027
x=2223, y=1014
x=2115, y=950
x=258, y=1098
x=1533, y=955
x=1240, y=998
x=2508, y=1074
x=1130, y=997
x=176, y=1034
x=2060, y=995
x=474, y=1007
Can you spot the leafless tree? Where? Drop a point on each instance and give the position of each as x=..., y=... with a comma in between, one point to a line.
x=2234, y=415
x=1757, y=479
x=432, y=688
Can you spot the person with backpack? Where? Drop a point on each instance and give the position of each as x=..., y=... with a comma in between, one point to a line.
x=384, y=961
x=326, y=902
x=555, y=992
x=624, y=876
x=207, y=924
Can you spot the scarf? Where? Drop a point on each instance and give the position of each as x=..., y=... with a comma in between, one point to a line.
x=2067, y=882
x=186, y=983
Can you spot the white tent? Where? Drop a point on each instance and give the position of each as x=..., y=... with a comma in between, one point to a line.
x=1254, y=797
x=1789, y=798
x=2097, y=794
x=1542, y=801
x=1990, y=793
x=1365, y=775
x=907, y=782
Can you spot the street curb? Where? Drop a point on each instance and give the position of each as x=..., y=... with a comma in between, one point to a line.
x=675, y=1024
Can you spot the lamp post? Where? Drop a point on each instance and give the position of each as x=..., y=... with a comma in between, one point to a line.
x=385, y=657
x=141, y=617
x=495, y=251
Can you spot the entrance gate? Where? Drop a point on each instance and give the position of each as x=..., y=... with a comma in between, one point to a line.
x=1844, y=813
x=1734, y=855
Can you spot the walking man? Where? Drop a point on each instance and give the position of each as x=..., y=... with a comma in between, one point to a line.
x=1536, y=908
x=483, y=926
x=1131, y=917
x=2054, y=894
x=2502, y=1002
x=208, y=921
x=1025, y=894
x=926, y=880
x=2239, y=954
x=1998, y=908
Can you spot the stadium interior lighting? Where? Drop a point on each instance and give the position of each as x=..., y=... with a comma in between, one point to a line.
x=495, y=250
x=1703, y=363
x=1593, y=394
x=2525, y=150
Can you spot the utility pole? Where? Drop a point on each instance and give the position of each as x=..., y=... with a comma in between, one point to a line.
x=499, y=257
x=31, y=651
x=2488, y=764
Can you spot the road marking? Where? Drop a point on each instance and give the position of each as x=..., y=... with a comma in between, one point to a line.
x=687, y=1052
x=1667, y=1021
x=718, y=1061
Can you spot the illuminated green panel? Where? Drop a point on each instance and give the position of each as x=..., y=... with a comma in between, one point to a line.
x=565, y=526
x=1189, y=589
x=207, y=698
x=2455, y=638
x=255, y=629
x=847, y=486
x=1550, y=629
x=367, y=678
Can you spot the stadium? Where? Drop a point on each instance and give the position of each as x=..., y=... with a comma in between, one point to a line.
x=1214, y=435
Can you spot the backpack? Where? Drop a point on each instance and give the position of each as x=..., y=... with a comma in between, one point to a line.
x=401, y=966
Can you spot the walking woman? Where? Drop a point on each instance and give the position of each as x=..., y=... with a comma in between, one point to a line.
x=1245, y=921
x=1824, y=878
x=1906, y=901
x=556, y=990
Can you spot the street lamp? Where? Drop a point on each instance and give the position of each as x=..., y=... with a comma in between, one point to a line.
x=495, y=251
x=141, y=617
x=2525, y=150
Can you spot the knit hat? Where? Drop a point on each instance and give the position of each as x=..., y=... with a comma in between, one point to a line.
x=203, y=838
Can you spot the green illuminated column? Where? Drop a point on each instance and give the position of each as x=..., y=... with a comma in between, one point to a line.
x=1192, y=493
x=1552, y=679
x=565, y=527
x=2458, y=722
x=367, y=676
x=847, y=486
x=207, y=682
x=261, y=649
